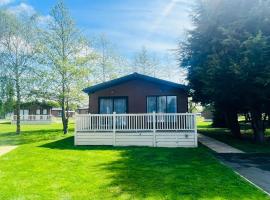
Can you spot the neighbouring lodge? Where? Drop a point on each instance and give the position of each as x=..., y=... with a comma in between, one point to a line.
x=41, y=112
x=34, y=112
x=57, y=112
x=82, y=110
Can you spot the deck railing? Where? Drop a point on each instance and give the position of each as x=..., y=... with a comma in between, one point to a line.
x=136, y=122
x=33, y=117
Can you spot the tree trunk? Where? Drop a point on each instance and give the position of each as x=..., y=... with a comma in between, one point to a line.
x=64, y=118
x=258, y=126
x=219, y=119
x=233, y=124
x=18, y=106
x=65, y=126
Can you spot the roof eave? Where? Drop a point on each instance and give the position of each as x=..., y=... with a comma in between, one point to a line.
x=114, y=82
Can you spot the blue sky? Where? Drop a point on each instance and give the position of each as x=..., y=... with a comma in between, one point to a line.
x=129, y=24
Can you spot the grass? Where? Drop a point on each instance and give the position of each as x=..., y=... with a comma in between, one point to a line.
x=245, y=144
x=48, y=166
x=30, y=133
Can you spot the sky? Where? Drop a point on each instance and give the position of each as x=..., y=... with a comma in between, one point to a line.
x=129, y=24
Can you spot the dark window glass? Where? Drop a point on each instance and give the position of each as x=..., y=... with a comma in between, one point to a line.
x=114, y=104
x=120, y=105
x=161, y=104
x=106, y=106
x=171, y=104
x=151, y=104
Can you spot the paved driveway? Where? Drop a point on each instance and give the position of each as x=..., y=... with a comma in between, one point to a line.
x=255, y=167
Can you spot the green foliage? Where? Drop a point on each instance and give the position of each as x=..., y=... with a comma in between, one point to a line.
x=6, y=96
x=228, y=56
x=64, y=54
x=18, y=51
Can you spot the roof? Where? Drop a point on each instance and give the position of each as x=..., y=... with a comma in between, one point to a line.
x=83, y=108
x=56, y=108
x=134, y=76
x=36, y=104
x=60, y=109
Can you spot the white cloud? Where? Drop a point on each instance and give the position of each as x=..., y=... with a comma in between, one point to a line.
x=5, y=2
x=22, y=9
x=28, y=10
x=44, y=19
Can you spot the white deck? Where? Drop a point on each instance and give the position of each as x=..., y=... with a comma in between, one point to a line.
x=155, y=130
x=33, y=119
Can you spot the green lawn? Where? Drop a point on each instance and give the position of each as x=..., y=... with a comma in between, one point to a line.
x=246, y=143
x=48, y=166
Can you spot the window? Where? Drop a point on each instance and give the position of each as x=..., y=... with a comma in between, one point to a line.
x=162, y=104
x=44, y=112
x=171, y=104
x=108, y=105
x=25, y=112
x=151, y=104
x=120, y=105
x=38, y=111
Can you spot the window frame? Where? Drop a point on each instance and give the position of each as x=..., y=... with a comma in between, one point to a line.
x=43, y=113
x=113, y=98
x=156, y=97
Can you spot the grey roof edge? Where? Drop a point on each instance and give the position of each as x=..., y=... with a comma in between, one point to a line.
x=129, y=77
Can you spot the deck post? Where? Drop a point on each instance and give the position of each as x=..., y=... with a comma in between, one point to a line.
x=75, y=130
x=195, y=130
x=114, y=128
x=154, y=129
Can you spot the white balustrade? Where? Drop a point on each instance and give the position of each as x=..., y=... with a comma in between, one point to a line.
x=136, y=122
x=33, y=117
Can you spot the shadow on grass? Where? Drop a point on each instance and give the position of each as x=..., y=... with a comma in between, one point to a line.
x=5, y=122
x=30, y=136
x=162, y=173
x=68, y=144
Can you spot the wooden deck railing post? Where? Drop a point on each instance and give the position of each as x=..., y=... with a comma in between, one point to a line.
x=195, y=130
x=114, y=128
x=75, y=130
x=154, y=130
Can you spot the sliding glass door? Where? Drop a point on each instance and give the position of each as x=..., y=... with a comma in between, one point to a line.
x=162, y=104
x=105, y=106
x=108, y=105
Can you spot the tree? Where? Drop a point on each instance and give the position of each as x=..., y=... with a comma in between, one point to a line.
x=256, y=53
x=65, y=54
x=18, y=52
x=104, y=64
x=6, y=96
x=145, y=63
x=227, y=57
x=107, y=63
